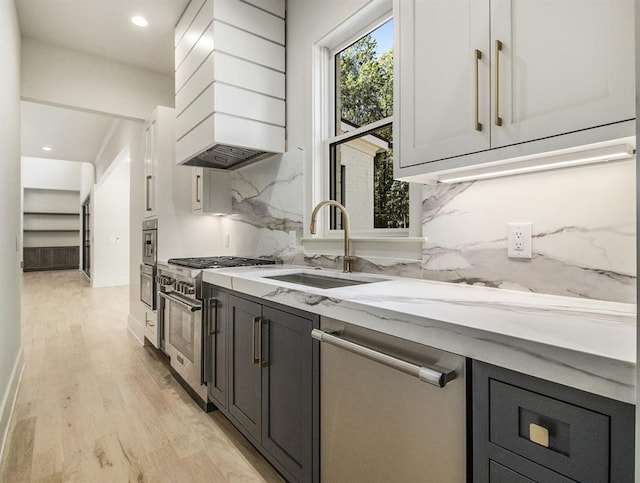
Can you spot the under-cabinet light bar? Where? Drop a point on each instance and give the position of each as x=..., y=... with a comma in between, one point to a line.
x=596, y=155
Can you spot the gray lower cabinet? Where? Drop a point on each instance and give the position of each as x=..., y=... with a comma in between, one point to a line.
x=51, y=258
x=245, y=371
x=263, y=374
x=527, y=429
x=215, y=357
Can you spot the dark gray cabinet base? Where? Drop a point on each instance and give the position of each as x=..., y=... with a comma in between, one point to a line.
x=263, y=375
x=51, y=258
x=527, y=429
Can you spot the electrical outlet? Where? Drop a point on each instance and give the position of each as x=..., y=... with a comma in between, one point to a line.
x=292, y=239
x=227, y=240
x=519, y=240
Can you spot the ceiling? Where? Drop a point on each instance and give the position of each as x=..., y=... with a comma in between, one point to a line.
x=102, y=28
x=72, y=135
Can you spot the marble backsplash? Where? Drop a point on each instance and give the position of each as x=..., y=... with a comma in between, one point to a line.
x=583, y=232
x=266, y=205
x=583, y=223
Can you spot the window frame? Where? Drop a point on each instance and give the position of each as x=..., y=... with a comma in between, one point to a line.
x=327, y=70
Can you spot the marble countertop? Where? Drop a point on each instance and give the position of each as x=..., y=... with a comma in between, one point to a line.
x=582, y=343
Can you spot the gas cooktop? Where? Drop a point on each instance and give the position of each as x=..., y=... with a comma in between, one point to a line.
x=219, y=262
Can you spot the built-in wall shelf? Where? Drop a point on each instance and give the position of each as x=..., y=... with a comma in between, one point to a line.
x=51, y=229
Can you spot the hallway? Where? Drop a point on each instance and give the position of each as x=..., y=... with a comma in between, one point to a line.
x=95, y=406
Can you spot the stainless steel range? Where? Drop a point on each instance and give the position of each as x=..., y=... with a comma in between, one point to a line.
x=180, y=306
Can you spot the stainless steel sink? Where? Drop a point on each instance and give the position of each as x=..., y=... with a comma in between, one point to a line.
x=324, y=281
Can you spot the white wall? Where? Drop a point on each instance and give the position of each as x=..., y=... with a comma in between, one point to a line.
x=50, y=173
x=87, y=180
x=10, y=288
x=59, y=76
x=110, y=229
x=118, y=139
x=136, y=213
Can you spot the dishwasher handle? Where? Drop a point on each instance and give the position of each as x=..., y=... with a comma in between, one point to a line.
x=425, y=374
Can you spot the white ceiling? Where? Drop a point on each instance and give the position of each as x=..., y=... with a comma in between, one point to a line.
x=103, y=28
x=97, y=27
x=72, y=135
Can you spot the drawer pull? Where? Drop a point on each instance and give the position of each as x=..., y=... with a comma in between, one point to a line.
x=539, y=435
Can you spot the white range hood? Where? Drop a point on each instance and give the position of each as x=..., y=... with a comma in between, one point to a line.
x=230, y=82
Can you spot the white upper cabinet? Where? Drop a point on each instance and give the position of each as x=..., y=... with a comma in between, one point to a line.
x=150, y=166
x=436, y=82
x=565, y=65
x=210, y=191
x=158, y=161
x=482, y=81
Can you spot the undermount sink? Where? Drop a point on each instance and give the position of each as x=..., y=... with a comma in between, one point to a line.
x=318, y=280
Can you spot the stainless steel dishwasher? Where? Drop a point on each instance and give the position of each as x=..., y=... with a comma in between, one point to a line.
x=391, y=410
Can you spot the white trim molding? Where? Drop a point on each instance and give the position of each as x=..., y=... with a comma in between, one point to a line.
x=9, y=400
x=136, y=328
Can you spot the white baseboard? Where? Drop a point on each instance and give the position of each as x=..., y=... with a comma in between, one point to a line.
x=9, y=400
x=136, y=328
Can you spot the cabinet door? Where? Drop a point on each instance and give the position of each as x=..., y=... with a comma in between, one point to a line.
x=59, y=257
x=244, y=365
x=287, y=391
x=149, y=164
x=73, y=257
x=565, y=65
x=46, y=258
x=31, y=258
x=216, y=357
x=196, y=189
x=438, y=95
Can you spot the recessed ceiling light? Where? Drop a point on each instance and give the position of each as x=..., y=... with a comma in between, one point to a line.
x=139, y=21
x=47, y=148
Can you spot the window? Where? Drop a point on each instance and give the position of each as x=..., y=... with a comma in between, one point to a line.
x=360, y=146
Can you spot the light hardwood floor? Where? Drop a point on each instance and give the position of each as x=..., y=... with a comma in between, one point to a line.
x=95, y=406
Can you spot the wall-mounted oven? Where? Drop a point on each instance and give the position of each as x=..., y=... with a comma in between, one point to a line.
x=148, y=285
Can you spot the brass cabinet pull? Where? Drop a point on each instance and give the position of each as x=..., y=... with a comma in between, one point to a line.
x=256, y=360
x=263, y=363
x=213, y=310
x=197, y=188
x=539, y=435
x=148, y=193
x=477, y=56
x=498, y=119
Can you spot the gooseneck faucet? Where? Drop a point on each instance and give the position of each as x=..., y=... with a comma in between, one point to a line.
x=345, y=221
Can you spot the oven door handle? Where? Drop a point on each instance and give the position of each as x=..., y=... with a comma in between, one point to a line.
x=191, y=307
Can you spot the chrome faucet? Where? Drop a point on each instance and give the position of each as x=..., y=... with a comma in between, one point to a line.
x=345, y=219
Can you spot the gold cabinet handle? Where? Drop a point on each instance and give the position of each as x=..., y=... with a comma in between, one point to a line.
x=197, y=188
x=256, y=321
x=263, y=363
x=498, y=119
x=213, y=314
x=539, y=435
x=477, y=57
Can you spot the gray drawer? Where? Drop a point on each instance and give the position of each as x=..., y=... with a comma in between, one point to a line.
x=502, y=474
x=578, y=439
